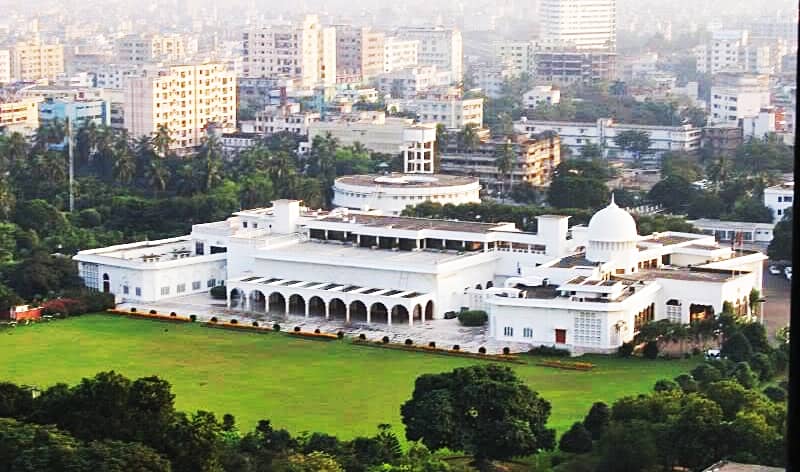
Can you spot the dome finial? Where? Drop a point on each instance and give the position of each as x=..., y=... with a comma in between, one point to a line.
x=612, y=200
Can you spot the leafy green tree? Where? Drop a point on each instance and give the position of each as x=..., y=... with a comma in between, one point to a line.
x=762, y=365
x=597, y=420
x=505, y=160
x=194, y=443
x=637, y=142
x=706, y=374
x=681, y=164
x=468, y=139
x=674, y=193
x=313, y=462
x=693, y=435
x=591, y=151
x=737, y=348
x=686, y=383
x=576, y=440
x=8, y=298
x=780, y=248
x=744, y=375
x=732, y=397
x=579, y=184
x=162, y=140
x=117, y=456
x=629, y=447
x=666, y=385
x=15, y=401
x=484, y=410
x=750, y=209
x=705, y=205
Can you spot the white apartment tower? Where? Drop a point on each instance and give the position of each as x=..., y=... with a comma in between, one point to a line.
x=438, y=46
x=399, y=53
x=736, y=96
x=584, y=24
x=5, y=66
x=304, y=52
x=140, y=49
x=359, y=53
x=186, y=99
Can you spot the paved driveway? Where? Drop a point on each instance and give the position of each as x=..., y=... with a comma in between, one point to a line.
x=778, y=292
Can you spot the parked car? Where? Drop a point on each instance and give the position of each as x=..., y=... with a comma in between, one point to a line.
x=713, y=354
x=788, y=272
x=775, y=270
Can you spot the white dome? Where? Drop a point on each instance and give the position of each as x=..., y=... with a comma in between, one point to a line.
x=612, y=224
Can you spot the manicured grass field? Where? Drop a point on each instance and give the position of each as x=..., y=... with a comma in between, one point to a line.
x=299, y=384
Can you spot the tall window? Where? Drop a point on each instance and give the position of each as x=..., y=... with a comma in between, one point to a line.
x=508, y=331
x=587, y=329
x=164, y=291
x=527, y=332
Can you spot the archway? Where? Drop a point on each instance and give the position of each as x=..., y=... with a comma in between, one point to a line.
x=417, y=313
x=699, y=313
x=316, y=307
x=358, y=311
x=277, y=303
x=337, y=309
x=489, y=284
x=399, y=314
x=479, y=286
x=297, y=305
x=258, y=302
x=106, y=284
x=429, y=310
x=237, y=299
x=378, y=313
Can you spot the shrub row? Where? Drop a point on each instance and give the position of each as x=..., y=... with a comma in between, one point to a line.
x=431, y=348
x=567, y=365
x=81, y=303
x=473, y=318
x=550, y=351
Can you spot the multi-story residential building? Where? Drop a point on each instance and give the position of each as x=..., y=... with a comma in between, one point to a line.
x=382, y=134
x=514, y=55
x=399, y=53
x=541, y=95
x=284, y=118
x=408, y=82
x=737, y=96
x=574, y=135
x=19, y=115
x=359, y=54
x=34, y=60
x=584, y=24
x=142, y=49
x=450, y=109
x=78, y=112
x=779, y=198
x=185, y=99
x=566, y=66
x=114, y=76
x=722, y=139
x=5, y=66
x=722, y=52
x=304, y=53
x=440, y=47
x=536, y=158
x=490, y=79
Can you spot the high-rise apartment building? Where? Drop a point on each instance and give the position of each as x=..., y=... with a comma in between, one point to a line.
x=438, y=46
x=5, y=66
x=735, y=97
x=514, y=55
x=399, y=53
x=305, y=53
x=359, y=53
x=139, y=49
x=185, y=99
x=34, y=60
x=736, y=51
x=584, y=24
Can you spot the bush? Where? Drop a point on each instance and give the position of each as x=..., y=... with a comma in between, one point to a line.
x=577, y=440
x=317, y=331
x=213, y=319
x=133, y=310
x=172, y=313
x=153, y=312
x=762, y=365
x=276, y=327
x=409, y=342
x=650, y=350
x=385, y=340
x=506, y=351
x=625, y=350
x=63, y=307
x=598, y=419
x=550, y=351
x=665, y=385
x=432, y=344
x=362, y=337
x=218, y=292
x=775, y=394
x=340, y=334
x=254, y=324
x=193, y=318
x=744, y=375
x=473, y=318
x=737, y=348
x=296, y=329
x=234, y=321
x=706, y=374
x=456, y=347
x=686, y=383
x=481, y=350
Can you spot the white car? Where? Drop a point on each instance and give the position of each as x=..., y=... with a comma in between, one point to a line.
x=788, y=272
x=713, y=354
x=774, y=270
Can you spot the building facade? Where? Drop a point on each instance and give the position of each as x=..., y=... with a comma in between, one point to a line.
x=440, y=47
x=143, y=49
x=5, y=66
x=584, y=24
x=569, y=66
x=541, y=95
x=286, y=118
x=735, y=96
x=185, y=99
x=34, y=60
x=19, y=115
x=359, y=54
x=449, y=109
x=399, y=53
x=779, y=199
x=411, y=81
x=79, y=112
x=382, y=134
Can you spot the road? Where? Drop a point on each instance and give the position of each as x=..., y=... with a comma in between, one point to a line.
x=778, y=292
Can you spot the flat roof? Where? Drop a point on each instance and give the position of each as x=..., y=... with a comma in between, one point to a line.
x=407, y=181
x=575, y=260
x=413, y=224
x=346, y=254
x=705, y=222
x=689, y=275
x=669, y=240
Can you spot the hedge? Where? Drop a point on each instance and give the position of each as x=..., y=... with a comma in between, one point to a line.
x=473, y=318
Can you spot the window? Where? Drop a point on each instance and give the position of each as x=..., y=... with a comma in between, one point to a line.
x=508, y=331
x=211, y=283
x=674, y=311
x=244, y=224
x=199, y=248
x=125, y=289
x=196, y=285
x=181, y=288
x=787, y=199
x=164, y=291
x=587, y=329
x=527, y=332
x=138, y=291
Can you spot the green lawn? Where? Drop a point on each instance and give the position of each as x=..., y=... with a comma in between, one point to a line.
x=302, y=385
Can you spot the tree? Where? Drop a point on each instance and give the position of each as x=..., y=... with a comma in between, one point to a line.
x=577, y=439
x=686, y=383
x=666, y=385
x=597, y=420
x=158, y=175
x=681, y=164
x=780, y=248
x=484, y=410
x=162, y=140
x=744, y=375
x=629, y=447
x=750, y=209
x=505, y=160
x=673, y=192
x=313, y=462
x=637, y=142
x=706, y=374
x=693, y=434
x=579, y=184
x=591, y=151
x=737, y=348
x=468, y=138
x=705, y=205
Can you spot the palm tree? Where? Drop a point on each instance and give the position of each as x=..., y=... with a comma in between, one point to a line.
x=441, y=138
x=505, y=160
x=124, y=165
x=86, y=141
x=720, y=170
x=162, y=140
x=469, y=138
x=157, y=175
x=105, y=145
x=187, y=179
x=16, y=148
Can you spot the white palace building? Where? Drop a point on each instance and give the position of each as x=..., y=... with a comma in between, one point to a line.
x=581, y=288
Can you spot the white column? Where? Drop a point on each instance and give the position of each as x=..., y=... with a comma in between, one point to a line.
x=369, y=313
x=308, y=305
x=326, y=307
x=347, y=312
x=410, y=316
